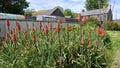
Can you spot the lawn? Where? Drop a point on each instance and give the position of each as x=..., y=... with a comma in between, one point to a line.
x=115, y=51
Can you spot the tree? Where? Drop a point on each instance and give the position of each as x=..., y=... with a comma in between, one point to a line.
x=13, y=6
x=68, y=12
x=29, y=11
x=74, y=15
x=95, y=4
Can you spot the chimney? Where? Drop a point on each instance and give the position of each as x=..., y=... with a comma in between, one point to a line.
x=83, y=10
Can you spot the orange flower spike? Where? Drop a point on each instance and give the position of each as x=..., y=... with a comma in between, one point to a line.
x=82, y=41
x=79, y=18
x=60, y=21
x=45, y=29
x=18, y=27
x=58, y=28
x=33, y=24
x=99, y=30
x=85, y=19
x=7, y=23
x=67, y=27
x=33, y=38
x=90, y=44
x=13, y=38
x=7, y=36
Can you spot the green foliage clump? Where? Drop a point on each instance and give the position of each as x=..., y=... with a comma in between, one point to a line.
x=111, y=25
x=93, y=20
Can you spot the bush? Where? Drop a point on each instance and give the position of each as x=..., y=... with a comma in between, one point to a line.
x=111, y=25
x=93, y=20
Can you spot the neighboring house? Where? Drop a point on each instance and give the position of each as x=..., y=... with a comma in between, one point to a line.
x=49, y=15
x=104, y=14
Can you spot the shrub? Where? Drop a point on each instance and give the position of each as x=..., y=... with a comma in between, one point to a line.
x=93, y=20
x=111, y=25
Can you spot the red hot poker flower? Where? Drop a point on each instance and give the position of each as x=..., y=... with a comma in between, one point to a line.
x=7, y=23
x=13, y=38
x=67, y=27
x=79, y=18
x=60, y=21
x=18, y=27
x=33, y=24
x=7, y=35
x=90, y=44
x=33, y=38
x=46, y=29
x=57, y=29
x=85, y=19
x=99, y=30
x=82, y=41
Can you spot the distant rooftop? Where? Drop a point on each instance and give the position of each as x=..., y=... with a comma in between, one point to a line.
x=96, y=11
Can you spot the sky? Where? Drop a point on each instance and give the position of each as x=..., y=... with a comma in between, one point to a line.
x=74, y=5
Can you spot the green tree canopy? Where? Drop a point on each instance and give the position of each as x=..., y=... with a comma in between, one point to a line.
x=29, y=11
x=13, y=6
x=68, y=12
x=95, y=4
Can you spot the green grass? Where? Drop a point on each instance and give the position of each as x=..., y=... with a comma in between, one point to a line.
x=115, y=40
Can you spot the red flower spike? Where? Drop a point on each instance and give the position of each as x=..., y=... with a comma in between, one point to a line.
x=13, y=38
x=99, y=30
x=82, y=41
x=16, y=23
x=85, y=19
x=18, y=27
x=7, y=35
x=60, y=21
x=33, y=24
x=7, y=23
x=90, y=44
x=57, y=28
x=11, y=32
x=45, y=29
x=79, y=18
x=67, y=27
x=33, y=38
x=51, y=26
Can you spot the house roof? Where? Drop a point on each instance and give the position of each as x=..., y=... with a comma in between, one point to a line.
x=44, y=12
x=96, y=11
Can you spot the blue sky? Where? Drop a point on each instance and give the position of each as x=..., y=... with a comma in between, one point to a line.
x=74, y=5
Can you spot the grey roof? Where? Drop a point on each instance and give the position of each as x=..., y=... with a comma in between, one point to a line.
x=45, y=12
x=96, y=11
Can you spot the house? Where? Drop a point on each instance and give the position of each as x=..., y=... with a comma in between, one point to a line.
x=49, y=15
x=104, y=14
